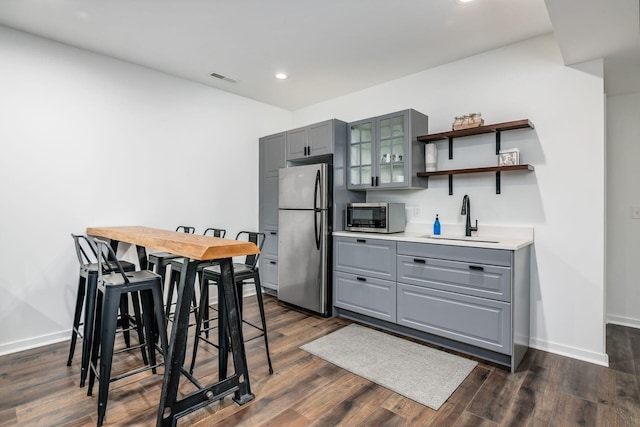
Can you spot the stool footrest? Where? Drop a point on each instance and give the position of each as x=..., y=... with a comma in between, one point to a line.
x=137, y=371
x=133, y=347
x=209, y=342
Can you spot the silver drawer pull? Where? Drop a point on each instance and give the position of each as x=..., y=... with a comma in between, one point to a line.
x=362, y=279
x=476, y=267
x=419, y=261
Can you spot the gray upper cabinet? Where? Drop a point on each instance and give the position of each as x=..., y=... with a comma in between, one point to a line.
x=383, y=151
x=297, y=147
x=312, y=140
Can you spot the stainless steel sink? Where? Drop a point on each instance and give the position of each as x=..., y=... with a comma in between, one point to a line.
x=459, y=238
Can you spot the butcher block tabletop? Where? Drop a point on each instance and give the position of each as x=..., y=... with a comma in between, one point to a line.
x=192, y=246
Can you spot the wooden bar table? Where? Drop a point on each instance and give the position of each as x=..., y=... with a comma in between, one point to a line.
x=194, y=248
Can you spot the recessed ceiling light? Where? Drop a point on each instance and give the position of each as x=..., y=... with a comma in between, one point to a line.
x=464, y=1
x=281, y=76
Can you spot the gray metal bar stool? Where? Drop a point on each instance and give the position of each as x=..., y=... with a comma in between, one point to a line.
x=113, y=282
x=176, y=267
x=241, y=272
x=87, y=283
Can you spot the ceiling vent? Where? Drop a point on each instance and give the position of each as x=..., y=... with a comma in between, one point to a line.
x=225, y=78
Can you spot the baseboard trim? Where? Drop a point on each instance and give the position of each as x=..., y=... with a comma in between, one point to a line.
x=30, y=343
x=601, y=359
x=623, y=321
x=56, y=337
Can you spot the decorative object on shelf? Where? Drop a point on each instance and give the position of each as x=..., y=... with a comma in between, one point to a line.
x=510, y=157
x=430, y=157
x=476, y=120
x=457, y=123
x=467, y=121
x=436, y=226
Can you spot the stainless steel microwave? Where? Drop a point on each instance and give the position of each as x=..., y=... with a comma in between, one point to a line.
x=376, y=217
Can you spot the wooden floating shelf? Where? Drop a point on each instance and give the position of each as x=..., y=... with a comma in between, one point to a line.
x=479, y=130
x=477, y=170
x=498, y=127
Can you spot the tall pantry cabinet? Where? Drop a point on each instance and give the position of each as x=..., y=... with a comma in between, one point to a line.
x=271, y=158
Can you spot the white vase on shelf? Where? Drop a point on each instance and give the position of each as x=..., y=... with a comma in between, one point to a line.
x=430, y=157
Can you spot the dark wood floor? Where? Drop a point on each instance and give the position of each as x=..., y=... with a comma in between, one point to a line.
x=37, y=388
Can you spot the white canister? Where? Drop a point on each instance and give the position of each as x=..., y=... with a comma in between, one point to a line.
x=430, y=157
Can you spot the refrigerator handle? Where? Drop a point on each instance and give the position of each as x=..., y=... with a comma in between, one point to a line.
x=316, y=211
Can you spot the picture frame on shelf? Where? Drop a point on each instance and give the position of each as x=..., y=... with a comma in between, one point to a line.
x=509, y=157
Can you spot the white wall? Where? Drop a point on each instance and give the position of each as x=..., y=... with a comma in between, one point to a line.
x=87, y=140
x=563, y=199
x=623, y=192
x=158, y=138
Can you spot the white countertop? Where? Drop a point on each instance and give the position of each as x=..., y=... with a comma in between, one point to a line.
x=492, y=237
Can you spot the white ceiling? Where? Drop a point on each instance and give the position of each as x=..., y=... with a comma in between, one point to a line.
x=328, y=47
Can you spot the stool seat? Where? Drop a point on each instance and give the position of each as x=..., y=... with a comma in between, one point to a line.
x=238, y=270
x=115, y=279
x=156, y=256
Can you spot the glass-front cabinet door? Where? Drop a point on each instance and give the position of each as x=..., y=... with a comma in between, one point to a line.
x=361, y=154
x=384, y=152
x=392, y=158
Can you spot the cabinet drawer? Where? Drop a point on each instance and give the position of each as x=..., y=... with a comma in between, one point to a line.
x=477, y=321
x=365, y=295
x=366, y=257
x=270, y=248
x=456, y=253
x=269, y=273
x=487, y=281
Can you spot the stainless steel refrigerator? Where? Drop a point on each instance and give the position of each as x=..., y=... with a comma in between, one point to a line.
x=304, y=230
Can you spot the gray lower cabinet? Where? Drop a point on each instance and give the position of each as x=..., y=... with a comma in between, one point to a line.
x=475, y=279
x=364, y=279
x=269, y=259
x=477, y=321
x=366, y=257
x=365, y=295
x=474, y=300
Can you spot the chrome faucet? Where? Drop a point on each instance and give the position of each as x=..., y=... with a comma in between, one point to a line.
x=466, y=210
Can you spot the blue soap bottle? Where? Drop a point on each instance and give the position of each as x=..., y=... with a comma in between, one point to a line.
x=436, y=226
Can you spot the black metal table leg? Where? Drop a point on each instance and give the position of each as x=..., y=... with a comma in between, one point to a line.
x=171, y=408
x=142, y=257
x=144, y=265
x=231, y=323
